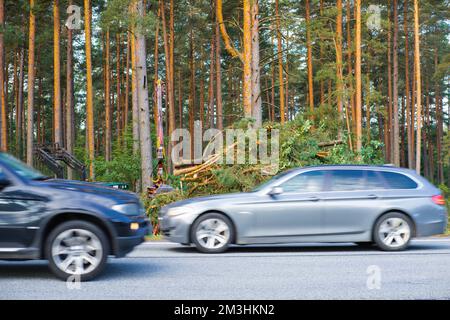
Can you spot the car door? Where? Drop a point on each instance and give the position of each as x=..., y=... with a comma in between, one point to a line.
x=296, y=212
x=351, y=201
x=19, y=215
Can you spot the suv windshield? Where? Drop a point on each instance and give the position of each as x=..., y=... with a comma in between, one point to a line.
x=20, y=168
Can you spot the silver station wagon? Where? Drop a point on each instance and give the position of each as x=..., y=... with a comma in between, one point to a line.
x=367, y=205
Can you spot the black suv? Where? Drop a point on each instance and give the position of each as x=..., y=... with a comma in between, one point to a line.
x=74, y=225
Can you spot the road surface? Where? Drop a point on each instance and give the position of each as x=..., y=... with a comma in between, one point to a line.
x=161, y=270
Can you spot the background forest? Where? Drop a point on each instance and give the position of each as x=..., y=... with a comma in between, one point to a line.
x=370, y=76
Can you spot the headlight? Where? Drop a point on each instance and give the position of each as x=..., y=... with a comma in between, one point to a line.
x=129, y=209
x=172, y=212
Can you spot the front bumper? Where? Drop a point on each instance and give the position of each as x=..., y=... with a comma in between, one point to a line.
x=126, y=244
x=176, y=229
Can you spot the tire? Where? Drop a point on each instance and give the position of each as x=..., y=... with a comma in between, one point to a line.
x=212, y=233
x=393, y=232
x=79, y=245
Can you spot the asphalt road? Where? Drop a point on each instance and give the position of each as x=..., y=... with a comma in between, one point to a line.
x=308, y=271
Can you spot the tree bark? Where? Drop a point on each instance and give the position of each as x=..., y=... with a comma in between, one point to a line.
x=256, y=73
x=218, y=70
x=396, y=142
x=339, y=73
x=57, y=112
x=118, y=90
x=144, y=112
x=309, y=60
x=409, y=122
x=31, y=75
x=280, y=60
x=388, y=131
x=89, y=89
x=358, y=102
x=70, y=127
x=4, y=116
x=108, y=113
x=418, y=84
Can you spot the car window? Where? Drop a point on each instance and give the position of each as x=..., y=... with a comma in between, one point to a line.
x=311, y=181
x=347, y=180
x=374, y=181
x=2, y=175
x=398, y=180
x=275, y=178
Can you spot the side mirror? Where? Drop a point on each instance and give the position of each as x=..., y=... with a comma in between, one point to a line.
x=275, y=191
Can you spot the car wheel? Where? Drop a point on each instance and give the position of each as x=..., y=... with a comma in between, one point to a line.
x=393, y=232
x=77, y=250
x=212, y=233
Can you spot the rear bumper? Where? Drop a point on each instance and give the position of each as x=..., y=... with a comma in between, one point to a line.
x=433, y=226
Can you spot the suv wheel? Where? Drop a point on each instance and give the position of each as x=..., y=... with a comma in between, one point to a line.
x=77, y=248
x=393, y=232
x=212, y=233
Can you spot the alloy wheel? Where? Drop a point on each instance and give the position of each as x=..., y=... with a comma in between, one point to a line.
x=394, y=232
x=77, y=251
x=213, y=233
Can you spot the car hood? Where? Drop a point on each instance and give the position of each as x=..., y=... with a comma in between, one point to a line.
x=218, y=198
x=90, y=188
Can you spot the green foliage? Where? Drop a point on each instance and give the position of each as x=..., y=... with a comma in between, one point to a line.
x=153, y=205
x=124, y=165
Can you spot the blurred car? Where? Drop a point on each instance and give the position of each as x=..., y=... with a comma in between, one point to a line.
x=362, y=204
x=74, y=225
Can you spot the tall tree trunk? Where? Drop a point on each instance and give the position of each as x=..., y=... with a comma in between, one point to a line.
x=439, y=123
x=321, y=46
x=4, y=116
x=134, y=99
x=144, y=112
x=108, y=111
x=309, y=59
x=180, y=100
x=168, y=51
x=31, y=74
x=118, y=90
x=247, y=60
x=339, y=73
x=192, y=93
x=396, y=142
x=388, y=131
x=280, y=61
x=218, y=70
x=409, y=123
x=358, y=102
x=19, y=110
x=70, y=129
x=127, y=83
x=210, y=111
x=256, y=74
x=89, y=89
x=418, y=84
x=57, y=112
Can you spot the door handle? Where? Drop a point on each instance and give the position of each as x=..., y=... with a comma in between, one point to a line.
x=315, y=199
x=372, y=196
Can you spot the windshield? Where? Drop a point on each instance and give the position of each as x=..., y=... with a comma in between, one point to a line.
x=277, y=177
x=20, y=168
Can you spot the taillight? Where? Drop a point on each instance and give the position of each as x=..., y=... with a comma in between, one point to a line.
x=439, y=199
